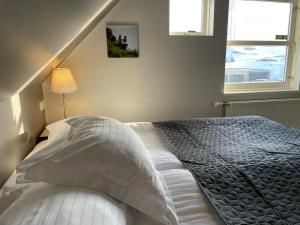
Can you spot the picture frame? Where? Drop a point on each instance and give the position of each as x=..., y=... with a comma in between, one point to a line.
x=122, y=40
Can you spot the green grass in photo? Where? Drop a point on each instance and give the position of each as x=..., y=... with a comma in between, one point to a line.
x=114, y=51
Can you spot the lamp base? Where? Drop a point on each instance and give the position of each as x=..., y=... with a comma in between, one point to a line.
x=64, y=105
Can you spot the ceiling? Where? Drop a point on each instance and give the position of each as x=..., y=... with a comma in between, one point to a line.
x=36, y=35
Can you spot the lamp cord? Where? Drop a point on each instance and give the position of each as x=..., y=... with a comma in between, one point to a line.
x=64, y=105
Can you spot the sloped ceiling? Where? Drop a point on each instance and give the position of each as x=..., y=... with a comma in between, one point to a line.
x=36, y=35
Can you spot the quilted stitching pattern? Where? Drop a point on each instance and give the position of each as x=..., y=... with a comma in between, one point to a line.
x=249, y=167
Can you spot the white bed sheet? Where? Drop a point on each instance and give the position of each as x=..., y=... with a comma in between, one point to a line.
x=191, y=205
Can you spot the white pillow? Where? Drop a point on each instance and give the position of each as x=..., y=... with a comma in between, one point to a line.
x=49, y=204
x=106, y=155
x=58, y=130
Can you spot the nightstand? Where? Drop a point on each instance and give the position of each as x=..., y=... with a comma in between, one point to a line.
x=43, y=136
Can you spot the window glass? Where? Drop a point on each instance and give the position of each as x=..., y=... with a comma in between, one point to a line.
x=258, y=20
x=250, y=64
x=185, y=16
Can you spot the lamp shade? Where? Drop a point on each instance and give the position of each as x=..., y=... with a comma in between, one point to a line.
x=63, y=81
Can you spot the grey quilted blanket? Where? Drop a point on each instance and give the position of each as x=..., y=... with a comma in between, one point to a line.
x=249, y=167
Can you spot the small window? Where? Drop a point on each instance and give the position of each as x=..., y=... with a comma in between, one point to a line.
x=260, y=39
x=191, y=17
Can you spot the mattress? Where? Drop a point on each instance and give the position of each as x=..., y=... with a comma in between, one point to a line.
x=191, y=205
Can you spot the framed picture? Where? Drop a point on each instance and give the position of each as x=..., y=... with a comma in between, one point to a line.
x=122, y=40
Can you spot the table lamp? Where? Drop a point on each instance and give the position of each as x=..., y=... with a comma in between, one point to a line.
x=63, y=83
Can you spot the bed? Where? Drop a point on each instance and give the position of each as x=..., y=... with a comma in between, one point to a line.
x=47, y=203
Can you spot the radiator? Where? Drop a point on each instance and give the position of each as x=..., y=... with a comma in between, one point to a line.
x=286, y=111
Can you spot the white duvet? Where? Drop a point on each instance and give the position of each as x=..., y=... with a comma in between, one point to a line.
x=106, y=155
x=46, y=204
x=71, y=206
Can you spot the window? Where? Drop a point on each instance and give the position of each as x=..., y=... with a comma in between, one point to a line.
x=260, y=41
x=191, y=17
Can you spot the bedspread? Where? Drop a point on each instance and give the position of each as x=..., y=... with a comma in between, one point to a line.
x=249, y=167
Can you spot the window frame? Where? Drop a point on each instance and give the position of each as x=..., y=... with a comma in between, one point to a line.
x=207, y=21
x=291, y=47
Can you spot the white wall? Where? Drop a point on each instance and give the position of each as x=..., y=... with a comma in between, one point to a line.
x=21, y=123
x=33, y=33
x=174, y=77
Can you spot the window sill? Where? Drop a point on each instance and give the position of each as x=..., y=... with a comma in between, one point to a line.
x=258, y=91
x=190, y=34
x=261, y=94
